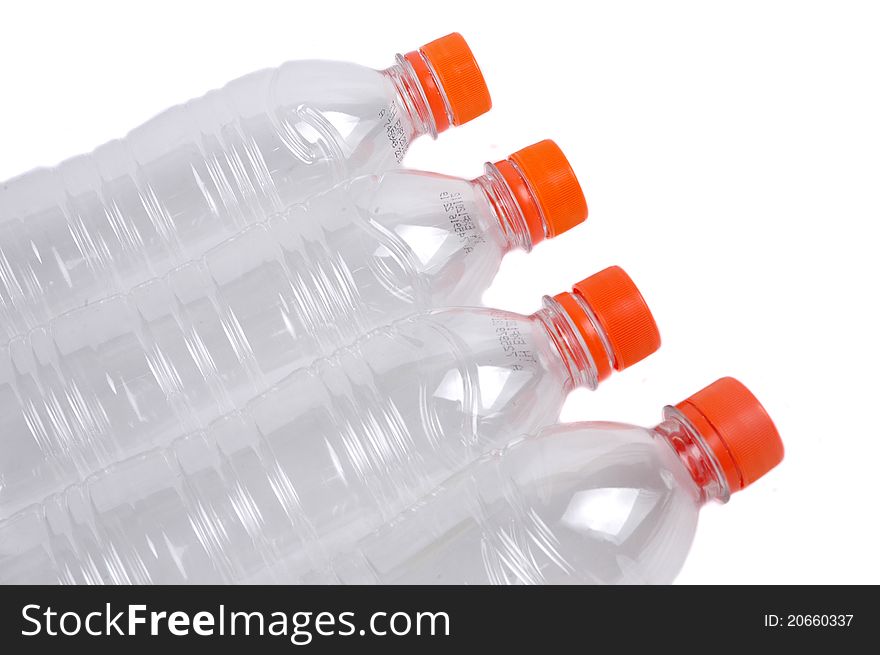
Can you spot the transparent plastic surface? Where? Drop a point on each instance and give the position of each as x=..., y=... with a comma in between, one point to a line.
x=191, y=177
x=331, y=452
x=588, y=503
x=137, y=370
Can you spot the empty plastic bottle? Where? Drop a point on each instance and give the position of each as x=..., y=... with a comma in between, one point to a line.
x=135, y=371
x=333, y=450
x=191, y=177
x=585, y=503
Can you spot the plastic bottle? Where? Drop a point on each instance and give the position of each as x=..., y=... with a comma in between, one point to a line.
x=198, y=173
x=585, y=503
x=333, y=450
x=135, y=371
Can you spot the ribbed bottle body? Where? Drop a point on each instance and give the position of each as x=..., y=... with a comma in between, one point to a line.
x=270, y=493
x=136, y=370
x=191, y=177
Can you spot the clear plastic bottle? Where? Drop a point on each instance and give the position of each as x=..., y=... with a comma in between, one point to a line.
x=198, y=173
x=585, y=503
x=334, y=450
x=135, y=371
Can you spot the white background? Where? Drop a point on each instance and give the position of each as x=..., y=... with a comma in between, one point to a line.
x=730, y=153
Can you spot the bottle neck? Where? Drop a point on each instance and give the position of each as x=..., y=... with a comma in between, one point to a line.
x=415, y=99
x=695, y=454
x=514, y=207
x=583, y=364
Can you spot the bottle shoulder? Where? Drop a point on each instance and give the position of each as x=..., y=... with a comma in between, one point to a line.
x=586, y=449
x=305, y=81
x=599, y=488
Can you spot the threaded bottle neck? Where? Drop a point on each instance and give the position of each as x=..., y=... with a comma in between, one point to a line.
x=695, y=454
x=413, y=98
x=570, y=344
x=515, y=209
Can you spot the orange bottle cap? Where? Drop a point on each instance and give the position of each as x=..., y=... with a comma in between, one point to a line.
x=449, y=63
x=737, y=429
x=624, y=321
x=546, y=189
